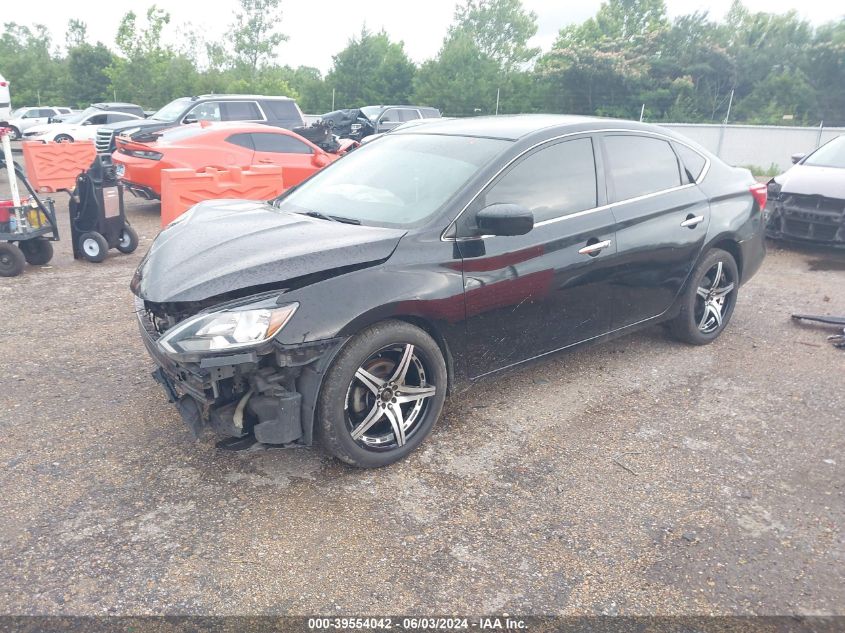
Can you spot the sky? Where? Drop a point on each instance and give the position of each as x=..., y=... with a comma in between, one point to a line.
x=319, y=30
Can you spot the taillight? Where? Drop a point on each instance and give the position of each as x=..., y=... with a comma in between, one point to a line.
x=760, y=193
x=143, y=153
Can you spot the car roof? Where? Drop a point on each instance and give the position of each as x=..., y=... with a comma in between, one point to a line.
x=513, y=127
x=235, y=96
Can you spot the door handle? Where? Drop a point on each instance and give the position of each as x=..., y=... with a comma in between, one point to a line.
x=692, y=221
x=594, y=248
x=266, y=161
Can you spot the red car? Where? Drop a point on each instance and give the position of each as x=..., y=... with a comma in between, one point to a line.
x=207, y=144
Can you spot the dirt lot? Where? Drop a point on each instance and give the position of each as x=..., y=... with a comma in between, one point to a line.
x=730, y=499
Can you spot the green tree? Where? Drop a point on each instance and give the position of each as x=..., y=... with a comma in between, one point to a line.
x=500, y=29
x=461, y=80
x=255, y=34
x=29, y=66
x=371, y=70
x=149, y=72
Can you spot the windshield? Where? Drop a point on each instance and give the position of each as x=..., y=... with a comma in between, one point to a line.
x=831, y=154
x=79, y=116
x=172, y=110
x=397, y=181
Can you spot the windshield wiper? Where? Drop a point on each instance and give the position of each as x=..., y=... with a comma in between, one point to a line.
x=331, y=218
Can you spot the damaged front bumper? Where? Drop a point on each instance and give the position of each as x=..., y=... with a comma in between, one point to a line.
x=269, y=392
x=809, y=218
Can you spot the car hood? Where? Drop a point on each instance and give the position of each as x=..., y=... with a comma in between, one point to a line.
x=225, y=246
x=145, y=125
x=813, y=181
x=46, y=128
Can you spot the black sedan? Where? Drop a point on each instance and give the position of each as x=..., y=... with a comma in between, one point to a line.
x=347, y=309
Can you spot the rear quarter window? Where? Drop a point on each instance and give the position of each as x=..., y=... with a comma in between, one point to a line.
x=691, y=161
x=279, y=144
x=640, y=165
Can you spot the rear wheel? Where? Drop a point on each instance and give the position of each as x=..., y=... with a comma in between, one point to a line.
x=709, y=300
x=93, y=246
x=382, y=395
x=12, y=260
x=128, y=241
x=37, y=252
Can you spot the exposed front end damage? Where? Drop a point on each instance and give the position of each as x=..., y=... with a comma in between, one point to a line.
x=812, y=218
x=268, y=392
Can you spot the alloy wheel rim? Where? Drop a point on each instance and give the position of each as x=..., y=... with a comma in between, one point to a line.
x=91, y=247
x=713, y=299
x=388, y=398
x=124, y=239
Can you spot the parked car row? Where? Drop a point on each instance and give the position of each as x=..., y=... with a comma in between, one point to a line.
x=22, y=119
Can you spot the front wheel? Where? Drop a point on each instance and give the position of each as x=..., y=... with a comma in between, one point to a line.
x=14, y=133
x=709, y=300
x=63, y=138
x=382, y=395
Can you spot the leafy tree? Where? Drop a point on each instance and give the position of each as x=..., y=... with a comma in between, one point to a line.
x=254, y=34
x=461, y=81
x=149, y=72
x=29, y=66
x=500, y=28
x=371, y=70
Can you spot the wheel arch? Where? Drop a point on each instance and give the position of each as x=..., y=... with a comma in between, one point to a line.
x=730, y=245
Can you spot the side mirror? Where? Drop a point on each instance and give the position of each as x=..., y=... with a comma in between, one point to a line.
x=797, y=157
x=189, y=119
x=319, y=160
x=504, y=219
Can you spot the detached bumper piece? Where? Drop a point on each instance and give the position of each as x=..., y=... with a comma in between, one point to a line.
x=838, y=340
x=809, y=218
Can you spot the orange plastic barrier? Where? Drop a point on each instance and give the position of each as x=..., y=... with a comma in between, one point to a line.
x=183, y=188
x=54, y=166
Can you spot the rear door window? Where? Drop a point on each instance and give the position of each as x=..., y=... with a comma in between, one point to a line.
x=116, y=117
x=554, y=181
x=640, y=165
x=283, y=110
x=408, y=114
x=279, y=144
x=241, y=111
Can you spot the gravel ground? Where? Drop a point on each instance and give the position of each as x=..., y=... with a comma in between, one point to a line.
x=636, y=477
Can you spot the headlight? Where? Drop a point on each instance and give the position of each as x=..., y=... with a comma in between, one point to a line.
x=228, y=329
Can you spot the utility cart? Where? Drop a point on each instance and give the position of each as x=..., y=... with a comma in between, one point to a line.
x=28, y=225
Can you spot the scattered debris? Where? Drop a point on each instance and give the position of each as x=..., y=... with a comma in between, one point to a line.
x=838, y=340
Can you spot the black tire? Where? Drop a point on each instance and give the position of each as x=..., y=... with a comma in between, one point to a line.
x=12, y=260
x=37, y=252
x=93, y=246
x=698, y=323
x=63, y=138
x=338, y=416
x=16, y=133
x=128, y=241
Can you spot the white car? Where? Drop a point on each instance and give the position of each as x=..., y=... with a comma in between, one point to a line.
x=24, y=119
x=79, y=127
